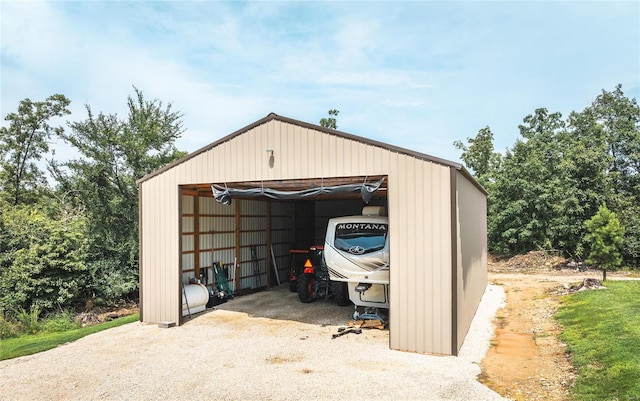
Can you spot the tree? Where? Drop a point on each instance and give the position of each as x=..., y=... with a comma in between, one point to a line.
x=480, y=157
x=527, y=187
x=582, y=183
x=619, y=119
x=558, y=173
x=330, y=122
x=605, y=236
x=115, y=153
x=24, y=142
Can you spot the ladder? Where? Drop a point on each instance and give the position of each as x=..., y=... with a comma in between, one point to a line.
x=256, y=266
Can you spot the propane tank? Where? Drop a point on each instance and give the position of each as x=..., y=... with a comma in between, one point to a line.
x=194, y=298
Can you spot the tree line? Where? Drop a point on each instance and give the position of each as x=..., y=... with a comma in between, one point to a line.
x=565, y=183
x=69, y=229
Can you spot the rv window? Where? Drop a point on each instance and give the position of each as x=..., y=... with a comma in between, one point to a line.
x=360, y=238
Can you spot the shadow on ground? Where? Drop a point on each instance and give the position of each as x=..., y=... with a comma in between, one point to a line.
x=280, y=303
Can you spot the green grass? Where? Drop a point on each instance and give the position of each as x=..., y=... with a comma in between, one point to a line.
x=31, y=344
x=602, y=331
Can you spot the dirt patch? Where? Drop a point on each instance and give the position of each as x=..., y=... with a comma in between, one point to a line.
x=94, y=315
x=532, y=262
x=526, y=360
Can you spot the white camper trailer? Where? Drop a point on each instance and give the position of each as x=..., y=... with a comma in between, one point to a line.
x=356, y=251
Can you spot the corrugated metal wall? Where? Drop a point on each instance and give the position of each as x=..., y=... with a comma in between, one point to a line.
x=419, y=203
x=325, y=210
x=420, y=247
x=299, y=152
x=472, y=252
x=189, y=237
x=217, y=233
x=209, y=234
x=253, y=237
x=160, y=293
x=282, y=236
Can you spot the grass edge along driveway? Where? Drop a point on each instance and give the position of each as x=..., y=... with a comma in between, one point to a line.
x=602, y=332
x=32, y=344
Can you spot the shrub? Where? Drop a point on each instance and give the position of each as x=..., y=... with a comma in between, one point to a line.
x=42, y=262
x=29, y=320
x=7, y=329
x=109, y=282
x=59, y=322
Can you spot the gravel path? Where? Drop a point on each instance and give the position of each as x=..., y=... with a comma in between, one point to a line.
x=229, y=355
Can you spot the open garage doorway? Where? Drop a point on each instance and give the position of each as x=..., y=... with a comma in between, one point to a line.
x=255, y=242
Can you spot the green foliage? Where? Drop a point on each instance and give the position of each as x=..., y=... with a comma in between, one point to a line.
x=59, y=322
x=29, y=320
x=331, y=121
x=602, y=331
x=23, y=143
x=8, y=329
x=526, y=190
x=604, y=235
x=42, y=259
x=31, y=344
x=630, y=218
x=109, y=283
x=114, y=154
x=619, y=120
x=558, y=173
x=480, y=157
x=60, y=247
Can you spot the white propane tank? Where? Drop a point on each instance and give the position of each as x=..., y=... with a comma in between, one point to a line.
x=197, y=297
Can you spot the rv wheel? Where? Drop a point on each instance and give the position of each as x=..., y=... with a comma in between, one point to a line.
x=340, y=292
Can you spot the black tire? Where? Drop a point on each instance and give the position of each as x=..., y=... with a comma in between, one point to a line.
x=340, y=292
x=307, y=288
x=293, y=286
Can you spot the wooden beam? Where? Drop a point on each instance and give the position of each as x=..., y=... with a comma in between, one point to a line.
x=237, y=277
x=196, y=234
x=268, y=240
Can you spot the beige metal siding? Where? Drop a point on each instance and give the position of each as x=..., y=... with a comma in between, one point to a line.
x=472, y=253
x=298, y=152
x=160, y=261
x=420, y=236
x=420, y=213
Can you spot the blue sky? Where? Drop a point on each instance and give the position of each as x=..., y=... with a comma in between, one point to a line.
x=417, y=74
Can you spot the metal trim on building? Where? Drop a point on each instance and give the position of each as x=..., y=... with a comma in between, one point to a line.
x=366, y=141
x=454, y=262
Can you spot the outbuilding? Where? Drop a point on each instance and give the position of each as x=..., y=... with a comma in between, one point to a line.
x=436, y=210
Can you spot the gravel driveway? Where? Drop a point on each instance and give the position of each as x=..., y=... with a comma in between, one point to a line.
x=245, y=349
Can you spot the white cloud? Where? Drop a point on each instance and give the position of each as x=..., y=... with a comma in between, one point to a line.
x=416, y=74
